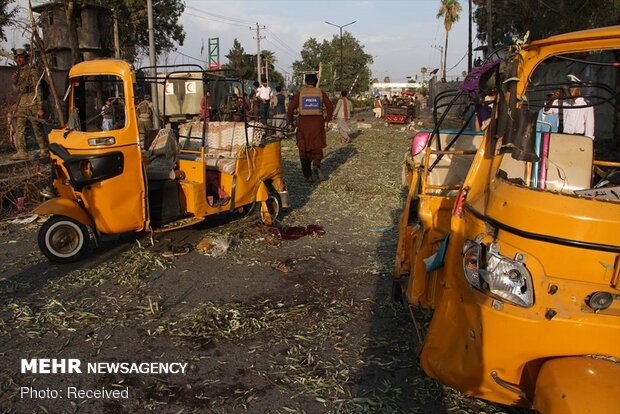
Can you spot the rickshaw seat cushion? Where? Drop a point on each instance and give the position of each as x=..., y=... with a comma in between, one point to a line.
x=223, y=140
x=225, y=165
x=569, y=162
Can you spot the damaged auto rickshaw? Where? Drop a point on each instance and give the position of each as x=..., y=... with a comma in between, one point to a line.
x=194, y=169
x=523, y=274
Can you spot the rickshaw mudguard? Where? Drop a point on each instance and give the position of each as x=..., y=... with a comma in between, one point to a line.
x=581, y=385
x=64, y=207
x=262, y=193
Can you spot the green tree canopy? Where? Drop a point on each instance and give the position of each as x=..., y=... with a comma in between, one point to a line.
x=7, y=15
x=240, y=61
x=133, y=25
x=244, y=64
x=542, y=18
x=356, y=72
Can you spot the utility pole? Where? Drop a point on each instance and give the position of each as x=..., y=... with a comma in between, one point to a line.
x=441, y=62
x=258, y=38
x=469, y=51
x=267, y=68
x=341, y=47
x=153, y=62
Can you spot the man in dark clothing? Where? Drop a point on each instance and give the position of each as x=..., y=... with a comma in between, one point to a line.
x=311, y=125
x=279, y=110
x=26, y=81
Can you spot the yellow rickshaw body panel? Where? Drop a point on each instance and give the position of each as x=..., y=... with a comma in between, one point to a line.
x=493, y=349
x=578, y=385
x=64, y=207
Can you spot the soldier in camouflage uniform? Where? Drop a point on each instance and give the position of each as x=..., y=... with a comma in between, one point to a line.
x=145, y=117
x=29, y=105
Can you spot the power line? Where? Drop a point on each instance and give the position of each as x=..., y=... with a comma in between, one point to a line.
x=457, y=63
x=283, y=50
x=286, y=46
x=215, y=20
x=188, y=56
x=220, y=16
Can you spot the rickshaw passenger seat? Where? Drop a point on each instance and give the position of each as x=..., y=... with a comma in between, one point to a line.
x=452, y=169
x=569, y=162
x=222, y=142
x=162, y=156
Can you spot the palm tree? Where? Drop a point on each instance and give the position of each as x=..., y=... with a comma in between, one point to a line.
x=423, y=71
x=449, y=10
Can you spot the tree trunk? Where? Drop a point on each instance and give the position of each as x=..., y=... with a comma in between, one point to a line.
x=46, y=67
x=70, y=14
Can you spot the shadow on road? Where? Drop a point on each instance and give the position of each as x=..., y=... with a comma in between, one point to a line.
x=301, y=191
x=392, y=375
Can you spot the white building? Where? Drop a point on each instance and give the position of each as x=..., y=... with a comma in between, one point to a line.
x=383, y=88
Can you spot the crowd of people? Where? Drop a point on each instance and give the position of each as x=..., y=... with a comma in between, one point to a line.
x=381, y=103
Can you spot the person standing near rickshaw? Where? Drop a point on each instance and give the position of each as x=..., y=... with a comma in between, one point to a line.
x=107, y=113
x=279, y=110
x=263, y=93
x=145, y=117
x=311, y=125
x=26, y=81
x=377, y=107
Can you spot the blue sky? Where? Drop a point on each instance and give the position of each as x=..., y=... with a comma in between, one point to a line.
x=402, y=35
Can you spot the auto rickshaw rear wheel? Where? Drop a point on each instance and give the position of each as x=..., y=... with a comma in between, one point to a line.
x=271, y=209
x=63, y=240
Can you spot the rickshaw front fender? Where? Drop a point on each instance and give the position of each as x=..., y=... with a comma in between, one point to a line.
x=61, y=206
x=262, y=193
x=581, y=385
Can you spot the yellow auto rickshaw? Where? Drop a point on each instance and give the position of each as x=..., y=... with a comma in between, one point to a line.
x=523, y=271
x=106, y=184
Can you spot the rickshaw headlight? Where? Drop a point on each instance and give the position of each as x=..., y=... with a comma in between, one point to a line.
x=497, y=275
x=95, y=142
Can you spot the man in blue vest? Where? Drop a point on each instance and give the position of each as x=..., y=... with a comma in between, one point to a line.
x=310, y=103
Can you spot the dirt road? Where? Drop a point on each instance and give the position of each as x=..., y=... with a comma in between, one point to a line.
x=269, y=326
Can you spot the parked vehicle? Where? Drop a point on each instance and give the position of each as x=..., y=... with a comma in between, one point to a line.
x=106, y=185
x=522, y=266
x=401, y=110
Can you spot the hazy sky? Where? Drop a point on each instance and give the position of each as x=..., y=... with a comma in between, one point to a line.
x=402, y=35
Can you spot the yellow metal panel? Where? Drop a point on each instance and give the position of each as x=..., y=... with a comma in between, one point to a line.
x=578, y=386
x=64, y=207
x=118, y=204
x=532, y=55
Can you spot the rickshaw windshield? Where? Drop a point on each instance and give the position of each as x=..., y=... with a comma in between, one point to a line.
x=98, y=103
x=561, y=139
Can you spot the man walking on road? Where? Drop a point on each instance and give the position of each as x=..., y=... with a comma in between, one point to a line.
x=26, y=81
x=342, y=115
x=311, y=125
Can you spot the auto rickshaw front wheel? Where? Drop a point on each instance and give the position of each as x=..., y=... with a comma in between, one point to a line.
x=271, y=209
x=63, y=240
